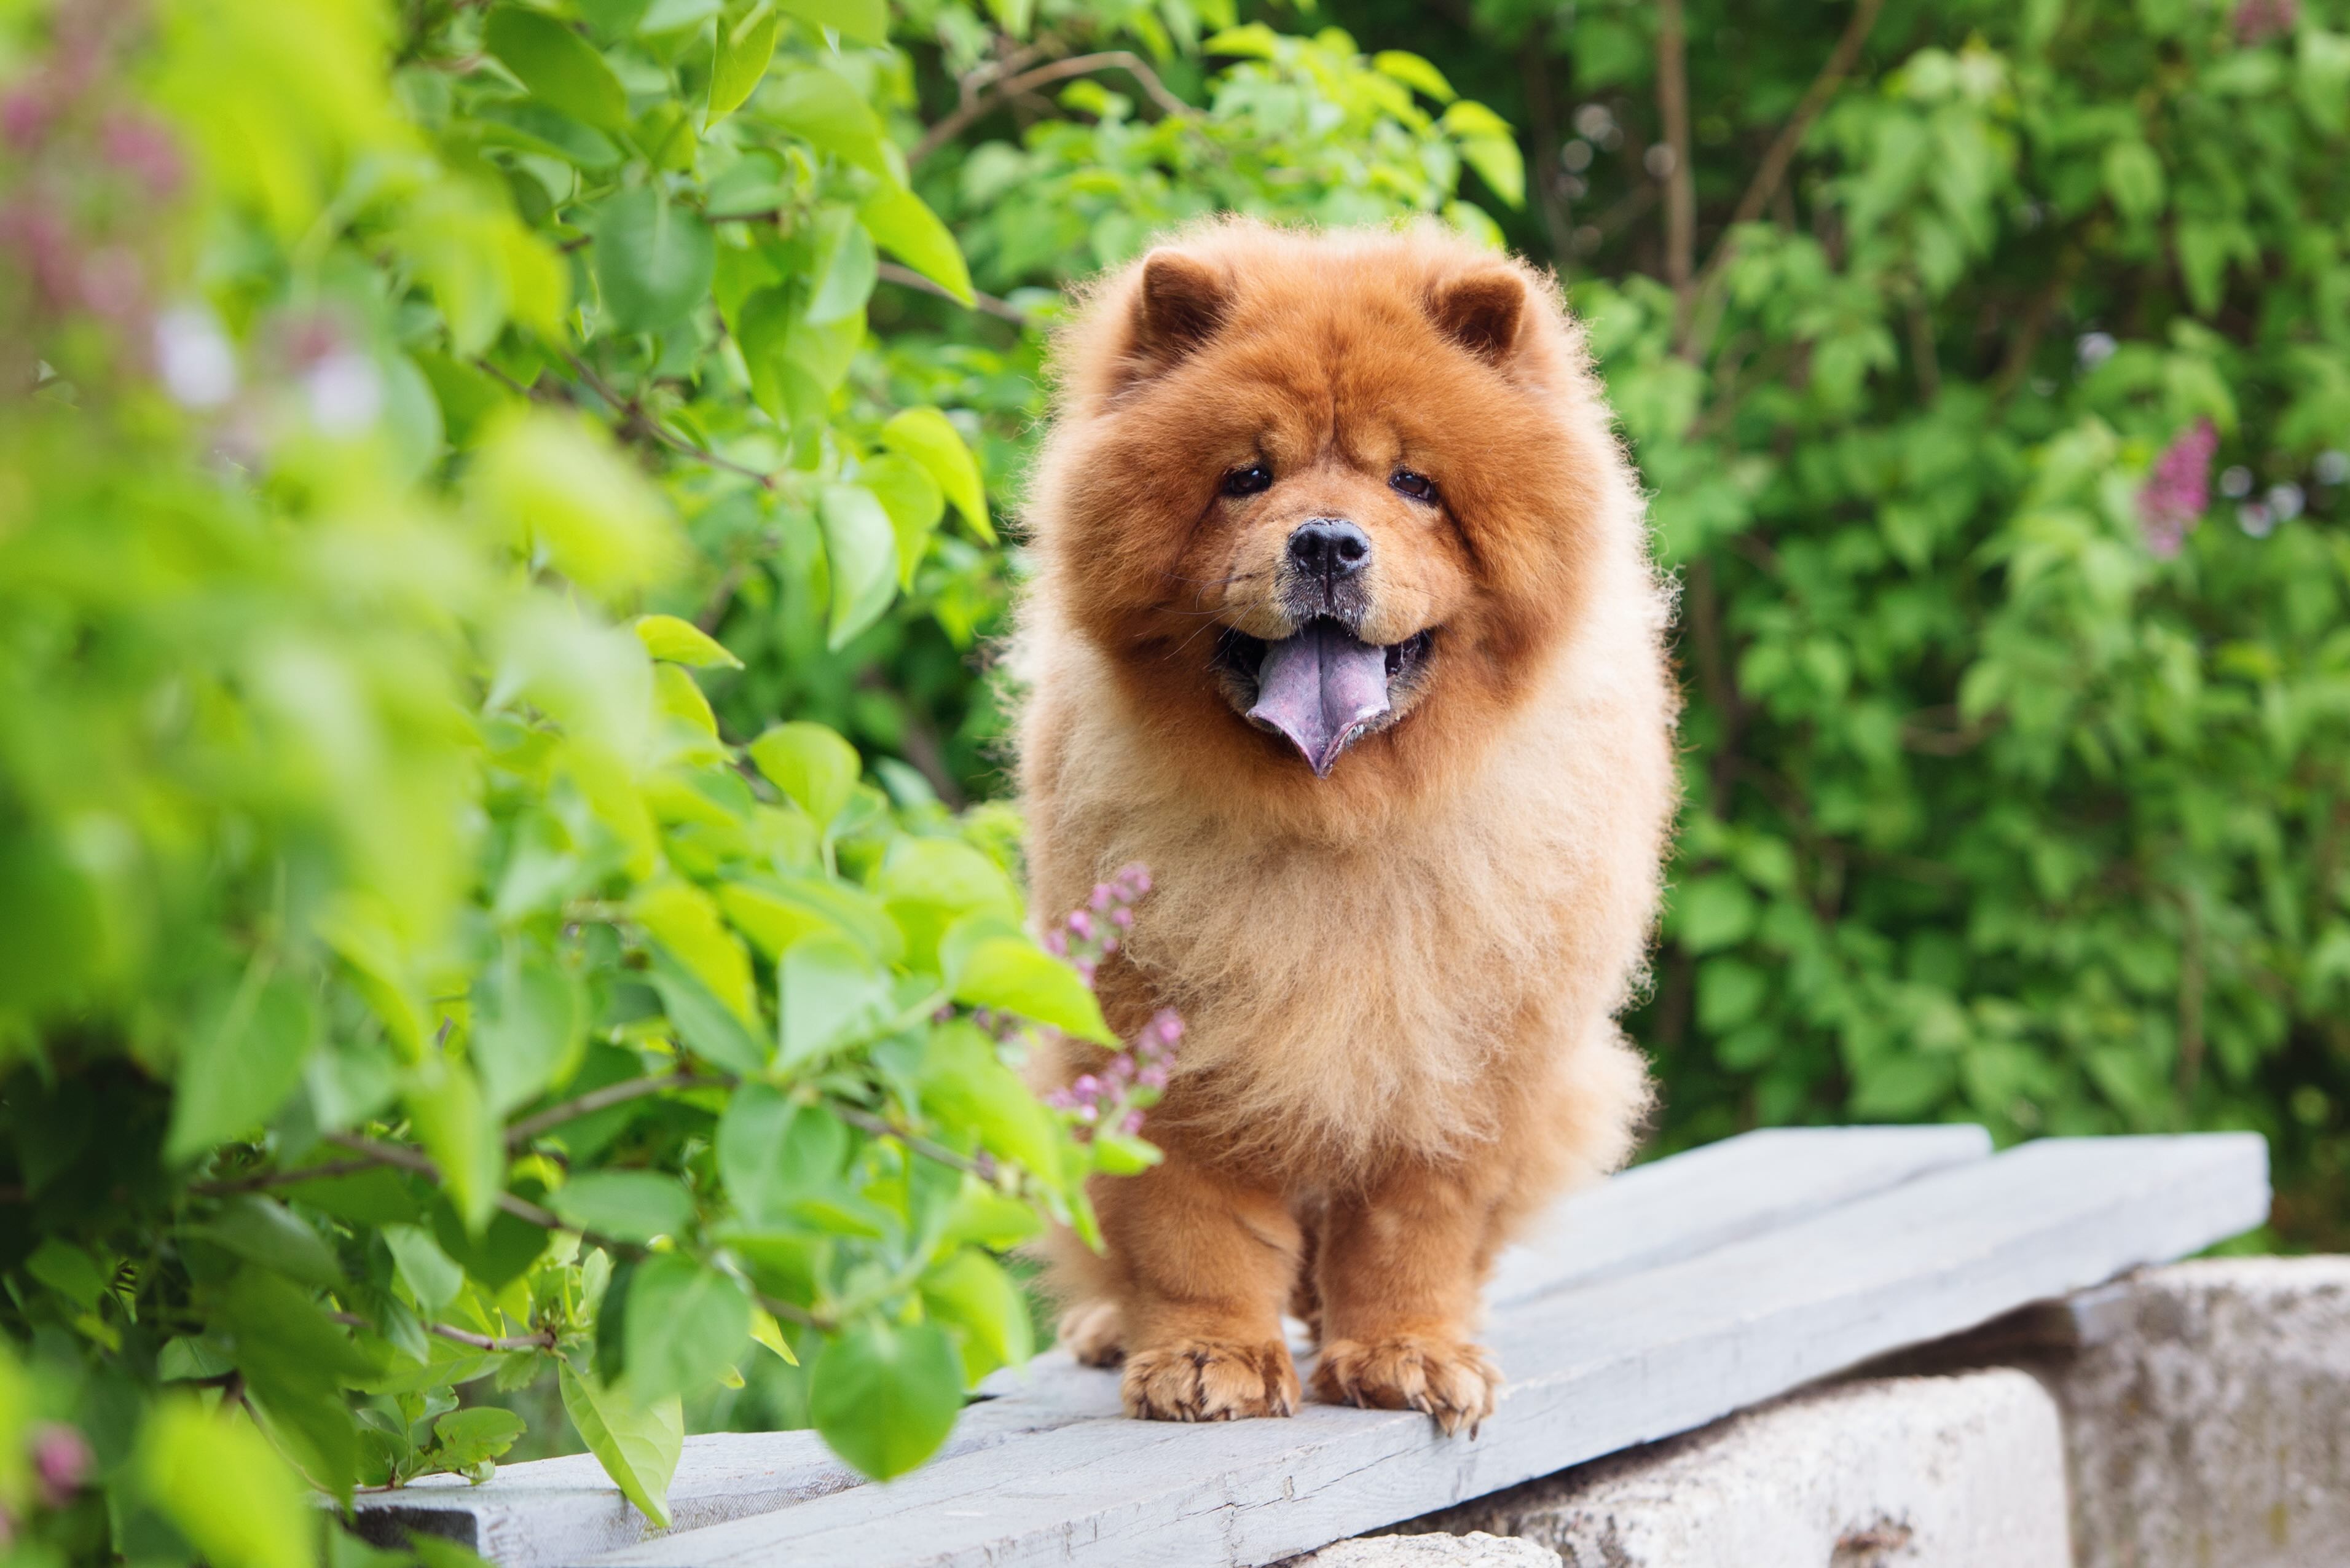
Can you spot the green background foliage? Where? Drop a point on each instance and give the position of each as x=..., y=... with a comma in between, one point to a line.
x=506, y=939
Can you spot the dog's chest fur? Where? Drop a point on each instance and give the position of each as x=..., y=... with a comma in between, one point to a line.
x=1357, y=999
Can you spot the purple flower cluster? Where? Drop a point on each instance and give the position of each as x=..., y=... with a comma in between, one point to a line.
x=2178, y=492
x=1130, y=1082
x=1093, y=931
x=2257, y=21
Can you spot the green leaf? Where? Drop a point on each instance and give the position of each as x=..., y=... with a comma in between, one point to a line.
x=433, y=1277
x=971, y=1291
x=683, y=642
x=686, y=1325
x=268, y=1233
x=832, y=996
x=1415, y=73
x=654, y=260
x=686, y=922
x=773, y=1149
x=1712, y=912
x=560, y=67
x=900, y=224
x=501, y=1253
x=963, y=1085
x=467, y=1438
x=239, y=1069
x=913, y=501
x=926, y=436
x=452, y=1121
x=861, y=550
x=1015, y=975
x=864, y=21
x=69, y=1270
x=810, y=764
x=224, y=1488
x=824, y=109
x=740, y=63
x=2133, y=179
x=556, y=481
x=885, y=1396
x=637, y=1445
x=627, y=1205
x=530, y=1030
x=846, y=269
x=709, y=1028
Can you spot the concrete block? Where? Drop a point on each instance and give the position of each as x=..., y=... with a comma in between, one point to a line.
x=1475, y=1550
x=2207, y=1409
x=1918, y=1472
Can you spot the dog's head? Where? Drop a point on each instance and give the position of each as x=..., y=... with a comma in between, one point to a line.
x=1324, y=501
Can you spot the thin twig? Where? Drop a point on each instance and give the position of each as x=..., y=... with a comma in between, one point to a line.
x=982, y=103
x=544, y=1340
x=411, y=1159
x=1680, y=180
x=1790, y=141
x=1772, y=174
x=595, y=1100
x=269, y=1178
x=981, y=1166
x=907, y=277
x=639, y=419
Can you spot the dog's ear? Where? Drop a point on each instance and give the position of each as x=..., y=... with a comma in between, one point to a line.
x=1182, y=303
x=1482, y=312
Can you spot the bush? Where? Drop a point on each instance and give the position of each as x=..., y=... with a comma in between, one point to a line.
x=452, y=478
x=2017, y=758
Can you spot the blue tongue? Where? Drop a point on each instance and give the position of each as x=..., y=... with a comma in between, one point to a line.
x=1320, y=687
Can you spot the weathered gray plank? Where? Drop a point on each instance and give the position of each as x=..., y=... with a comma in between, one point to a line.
x=1597, y=1368
x=558, y=1510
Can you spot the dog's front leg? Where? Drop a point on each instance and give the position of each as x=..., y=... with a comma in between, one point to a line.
x=1202, y=1264
x=1400, y=1267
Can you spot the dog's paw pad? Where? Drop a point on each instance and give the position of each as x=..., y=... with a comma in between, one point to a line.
x=1094, y=1332
x=1209, y=1380
x=1446, y=1378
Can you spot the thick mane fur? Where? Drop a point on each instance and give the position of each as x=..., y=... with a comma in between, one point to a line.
x=1343, y=1005
x=1400, y=896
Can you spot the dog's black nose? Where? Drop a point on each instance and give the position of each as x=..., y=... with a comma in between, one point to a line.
x=1330, y=548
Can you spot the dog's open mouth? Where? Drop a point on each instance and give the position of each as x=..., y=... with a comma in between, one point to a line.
x=1320, y=687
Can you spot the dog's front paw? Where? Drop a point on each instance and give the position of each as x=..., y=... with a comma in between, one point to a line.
x=1094, y=1332
x=1209, y=1380
x=1446, y=1379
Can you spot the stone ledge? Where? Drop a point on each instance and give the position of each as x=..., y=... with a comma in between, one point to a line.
x=1924, y=1472
x=2206, y=1410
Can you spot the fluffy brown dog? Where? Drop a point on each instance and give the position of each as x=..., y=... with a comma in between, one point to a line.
x=1343, y=623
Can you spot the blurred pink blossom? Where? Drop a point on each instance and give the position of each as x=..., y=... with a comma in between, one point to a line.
x=2179, y=491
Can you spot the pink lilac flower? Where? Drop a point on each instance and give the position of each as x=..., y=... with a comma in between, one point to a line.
x=2258, y=21
x=1117, y=1094
x=2179, y=491
x=61, y=1457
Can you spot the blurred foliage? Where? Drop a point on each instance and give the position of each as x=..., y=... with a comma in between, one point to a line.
x=2018, y=759
x=464, y=468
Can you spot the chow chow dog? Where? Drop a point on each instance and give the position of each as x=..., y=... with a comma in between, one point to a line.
x=1343, y=621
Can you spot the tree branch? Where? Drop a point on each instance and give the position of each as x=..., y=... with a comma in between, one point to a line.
x=595, y=1100
x=1542, y=111
x=983, y=102
x=981, y=1166
x=907, y=277
x=638, y=420
x=1781, y=155
x=540, y=1341
x=1680, y=180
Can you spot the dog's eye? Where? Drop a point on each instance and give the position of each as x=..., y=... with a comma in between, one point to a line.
x=1248, y=480
x=1418, y=486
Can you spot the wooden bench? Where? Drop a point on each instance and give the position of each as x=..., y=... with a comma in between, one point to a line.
x=1668, y=1297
